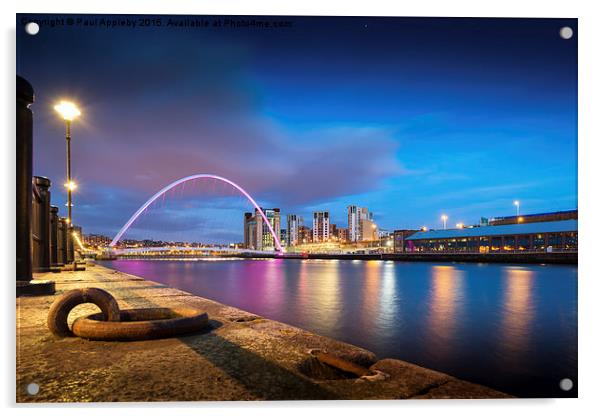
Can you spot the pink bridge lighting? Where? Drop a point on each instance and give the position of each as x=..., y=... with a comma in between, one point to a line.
x=191, y=178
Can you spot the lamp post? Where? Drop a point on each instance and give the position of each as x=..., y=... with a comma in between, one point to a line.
x=444, y=219
x=68, y=111
x=517, y=204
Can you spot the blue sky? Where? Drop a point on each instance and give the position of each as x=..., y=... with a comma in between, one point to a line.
x=410, y=117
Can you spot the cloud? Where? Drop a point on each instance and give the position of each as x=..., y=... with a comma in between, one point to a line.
x=154, y=112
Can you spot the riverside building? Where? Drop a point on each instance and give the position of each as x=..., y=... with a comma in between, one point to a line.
x=294, y=223
x=355, y=216
x=532, y=236
x=96, y=240
x=257, y=235
x=321, y=226
x=368, y=230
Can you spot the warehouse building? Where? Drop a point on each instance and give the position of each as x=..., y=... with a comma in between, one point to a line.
x=532, y=236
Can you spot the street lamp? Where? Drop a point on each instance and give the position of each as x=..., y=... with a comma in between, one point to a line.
x=444, y=219
x=69, y=112
x=517, y=204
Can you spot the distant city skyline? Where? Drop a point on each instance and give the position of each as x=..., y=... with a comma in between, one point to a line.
x=411, y=117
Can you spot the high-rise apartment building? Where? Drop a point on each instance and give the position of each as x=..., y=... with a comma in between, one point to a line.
x=294, y=223
x=321, y=226
x=257, y=235
x=273, y=216
x=250, y=231
x=355, y=215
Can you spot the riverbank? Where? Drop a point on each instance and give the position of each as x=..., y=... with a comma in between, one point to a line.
x=501, y=257
x=241, y=357
x=558, y=257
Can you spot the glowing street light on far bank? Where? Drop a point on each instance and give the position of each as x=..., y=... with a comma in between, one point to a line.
x=460, y=225
x=444, y=219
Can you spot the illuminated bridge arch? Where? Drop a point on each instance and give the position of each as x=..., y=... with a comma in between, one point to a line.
x=191, y=178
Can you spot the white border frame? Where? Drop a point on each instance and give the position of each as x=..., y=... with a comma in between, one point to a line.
x=589, y=168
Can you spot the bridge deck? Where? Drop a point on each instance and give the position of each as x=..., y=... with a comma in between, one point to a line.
x=243, y=356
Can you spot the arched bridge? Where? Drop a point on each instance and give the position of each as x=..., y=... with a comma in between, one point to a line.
x=191, y=178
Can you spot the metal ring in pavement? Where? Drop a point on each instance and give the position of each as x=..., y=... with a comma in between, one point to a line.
x=142, y=324
x=61, y=307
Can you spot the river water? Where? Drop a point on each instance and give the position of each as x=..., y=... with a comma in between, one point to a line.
x=510, y=327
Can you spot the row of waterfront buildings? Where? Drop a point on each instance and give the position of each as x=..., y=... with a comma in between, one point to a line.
x=257, y=236
x=552, y=231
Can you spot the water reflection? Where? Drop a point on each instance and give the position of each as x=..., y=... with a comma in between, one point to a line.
x=444, y=303
x=513, y=328
x=517, y=315
x=328, y=295
x=320, y=296
x=370, y=295
x=388, y=296
x=273, y=279
x=302, y=292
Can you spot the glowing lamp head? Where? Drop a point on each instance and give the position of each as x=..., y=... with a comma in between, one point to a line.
x=424, y=228
x=459, y=225
x=71, y=185
x=517, y=203
x=444, y=217
x=67, y=110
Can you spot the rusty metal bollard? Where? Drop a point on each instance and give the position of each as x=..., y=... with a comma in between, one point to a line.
x=59, y=310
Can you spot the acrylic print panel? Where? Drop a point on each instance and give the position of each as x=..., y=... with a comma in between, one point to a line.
x=280, y=208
